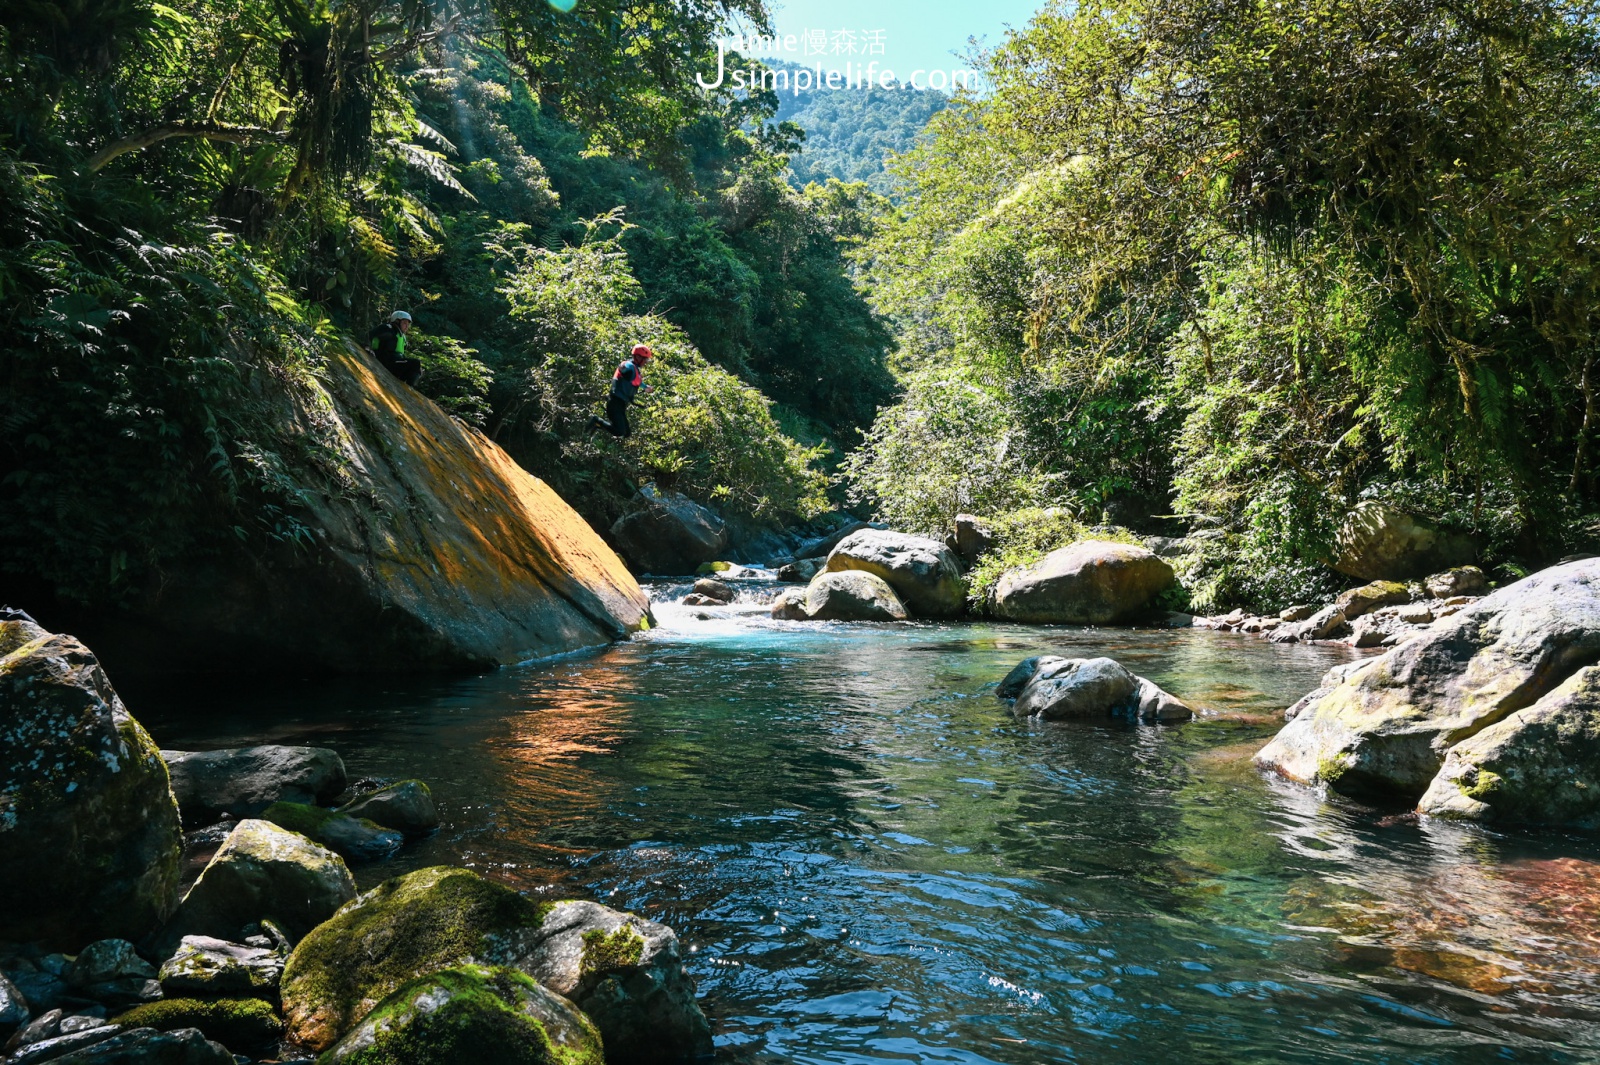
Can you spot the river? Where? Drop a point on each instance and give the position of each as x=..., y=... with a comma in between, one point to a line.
x=869, y=860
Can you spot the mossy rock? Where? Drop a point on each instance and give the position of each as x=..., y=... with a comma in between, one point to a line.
x=233, y=1022
x=400, y=930
x=467, y=1014
x=406, y=806
x=352, y=837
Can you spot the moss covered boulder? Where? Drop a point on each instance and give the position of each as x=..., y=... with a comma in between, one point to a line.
x=262, y=871
x=204, y=965
x=1541, y=765
x=400, y=930
x=923, y=573
x=353, y=837
x=1386, y=725
x=1361, y=601
x=237, y=1023
x=626, y=973
x=406, y=806
x=1093, y=582
x=90, y=843
x=468, y=1014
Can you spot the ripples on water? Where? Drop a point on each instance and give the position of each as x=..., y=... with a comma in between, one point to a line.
x=870, y=861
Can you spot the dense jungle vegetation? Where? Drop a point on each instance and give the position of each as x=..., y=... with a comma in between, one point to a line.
x=1248, y=264
x=1200, y=266
x=850, y=133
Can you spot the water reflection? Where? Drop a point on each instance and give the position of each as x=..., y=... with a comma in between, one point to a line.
x=871, y=861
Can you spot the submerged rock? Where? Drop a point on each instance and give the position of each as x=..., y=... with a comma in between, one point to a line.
x=406, y=806
x=922, y=572
x=263, y=871
x=625, y=972
x=243, y=781
x=1092, y=582
x=90, y=844
x=671, y=535
x=1387, y=724
x=471, y=1013
x=1052, y=688
x=355, y=838
x=1541, y=765
x=204, y=965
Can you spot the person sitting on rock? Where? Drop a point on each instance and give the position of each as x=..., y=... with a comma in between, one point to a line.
x=389, y=345
x=626, y=384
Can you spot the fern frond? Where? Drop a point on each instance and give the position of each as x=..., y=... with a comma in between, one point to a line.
x=431, y=163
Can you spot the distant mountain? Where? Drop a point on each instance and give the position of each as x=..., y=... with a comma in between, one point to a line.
x=850, y=131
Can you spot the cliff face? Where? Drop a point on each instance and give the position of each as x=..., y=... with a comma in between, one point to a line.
x=430, y=549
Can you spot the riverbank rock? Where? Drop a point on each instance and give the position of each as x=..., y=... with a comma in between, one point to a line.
x=262, y=872
x=970, y=536
x=1386, y=725
x=90, y=843
x=1369, y=597
x=1541, y=765
x=626, y=973
x=1325, y=624
x=851, y=595
x=922, y=572
x=471, y=1013
x=801, y=570
x=1463, y=580
x=1052, y=688
x=355, y=838
x=426, y=548
x=406, y=807
x=671, y=535
x=14, y=1011
x=234, y=1022
x=112, y=1045
x=111, y=970
x=1093, y=582
x=243, y=781
x=216, y=968
x=1378, y=542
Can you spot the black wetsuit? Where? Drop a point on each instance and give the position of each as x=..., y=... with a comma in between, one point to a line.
x=625, y=385
x=389, y=345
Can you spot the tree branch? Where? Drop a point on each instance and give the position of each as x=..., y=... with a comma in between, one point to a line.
x=211, y=131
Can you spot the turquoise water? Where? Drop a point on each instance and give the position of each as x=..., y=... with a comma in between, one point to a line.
x=871, y=861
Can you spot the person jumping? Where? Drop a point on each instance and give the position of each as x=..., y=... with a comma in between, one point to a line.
x=626, y=384
x=389, y=345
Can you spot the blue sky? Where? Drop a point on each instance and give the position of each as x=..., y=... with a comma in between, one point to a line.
x=911, y=34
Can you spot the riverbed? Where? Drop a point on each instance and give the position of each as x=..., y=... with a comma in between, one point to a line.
x=868, y=859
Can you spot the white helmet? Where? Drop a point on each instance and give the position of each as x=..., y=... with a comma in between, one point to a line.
x=400, y=316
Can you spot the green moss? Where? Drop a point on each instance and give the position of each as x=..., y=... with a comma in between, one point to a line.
x=489, y=1015
x=1479, y=785
x=622, y=949
x=298, y=817
x=233, y=1022
x=1331, y=769
x=398, y=931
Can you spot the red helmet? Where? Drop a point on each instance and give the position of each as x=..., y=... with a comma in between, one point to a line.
x=640, y=351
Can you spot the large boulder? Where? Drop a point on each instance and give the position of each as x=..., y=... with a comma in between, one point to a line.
x=1378, y=542
x=243, y=781
x=852, y=595
x=1541, y=765
x=112, y=1045
x=90, y=843
x=262, y=871
x=471, y=1013
x=628, y=974
x=671, y=534
x=234, y=1022
x=1092, y=582
x=406, y=806
x=1386, y=725
x=922, y=572
x=422, y=546
x=1052, y=688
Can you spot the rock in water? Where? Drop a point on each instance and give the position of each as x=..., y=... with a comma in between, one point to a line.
x=428, y=548
x=244, y=781
x=1378, y=542
x=90, y=844
x=212, y=967
x=801, y=570
x=790, y=605
x=1541, y=765
x=672, y=535
x=922, y=572
x=1055, y=689
x=355, y=838
x=714, y=590
x=471, y=1013
x=1093, y=582
x=852, y=596
x=262, y=871
x=405, y=807
x=436, y=918
x=1386, y=725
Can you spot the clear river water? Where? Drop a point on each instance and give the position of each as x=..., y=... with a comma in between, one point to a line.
x=869, y=860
